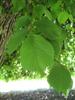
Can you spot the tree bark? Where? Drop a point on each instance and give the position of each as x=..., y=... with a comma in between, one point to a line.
x=6, y=25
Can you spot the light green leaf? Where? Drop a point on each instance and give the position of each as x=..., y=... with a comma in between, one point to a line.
x=18, y=5
x=63, y=16
x=36, y=53
x=60, y=78
x=56, y=8
x=48, y=14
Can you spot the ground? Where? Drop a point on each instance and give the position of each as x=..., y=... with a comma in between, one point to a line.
x=37, y=95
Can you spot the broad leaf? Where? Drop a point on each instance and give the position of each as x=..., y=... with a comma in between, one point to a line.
x=49, y=29
x=63, y=17
x=70, y=5
x=36, y=53
x=51, y=32
x=18, y=5
x=22, y=23
x=60, y=78
x=38, y=11
x=20, y=31
x=57, y=47
x=56, y=8
x=14, y=41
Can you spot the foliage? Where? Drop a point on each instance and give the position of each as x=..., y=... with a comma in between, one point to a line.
x=68, y=55
x=62, y=72
x=16, y=72
x=40, y=35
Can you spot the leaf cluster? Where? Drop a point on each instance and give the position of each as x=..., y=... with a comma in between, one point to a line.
x=39, y=35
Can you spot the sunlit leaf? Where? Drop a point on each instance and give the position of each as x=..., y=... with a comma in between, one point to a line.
x=63, y=17
x=56, y=8
x=36, y=53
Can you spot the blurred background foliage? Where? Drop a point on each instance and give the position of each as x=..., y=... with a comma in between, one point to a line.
x=68, y=55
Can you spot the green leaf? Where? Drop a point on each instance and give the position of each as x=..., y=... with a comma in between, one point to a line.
x=48, y=14
x=60, y=78
x=51, y=32
x=20, y=31
x=36, y=53
x=0, y=9
x=56, y=8
x=38, y=11
x=70, y=5
x=51, y=2
x=18, y=5
x=57, y=47
x=22, y=23
x=14, y=41
x=63, y=16
x=49, y=29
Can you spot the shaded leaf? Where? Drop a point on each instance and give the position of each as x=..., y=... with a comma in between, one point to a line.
x=38, y=11
x=20, y=31
x=51, y=32
x=60, y=78
x=0, y=9
x=18, y=5
x=70, y=5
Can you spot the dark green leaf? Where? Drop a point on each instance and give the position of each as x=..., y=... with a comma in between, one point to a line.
x=52, y=1
x=22, y=23
x=38, y=11
x=52, y=32
x=56, y=8
x=0, y=9
x=60, y=78
x=18, y=5
x=70, y=5
x=20, y=31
